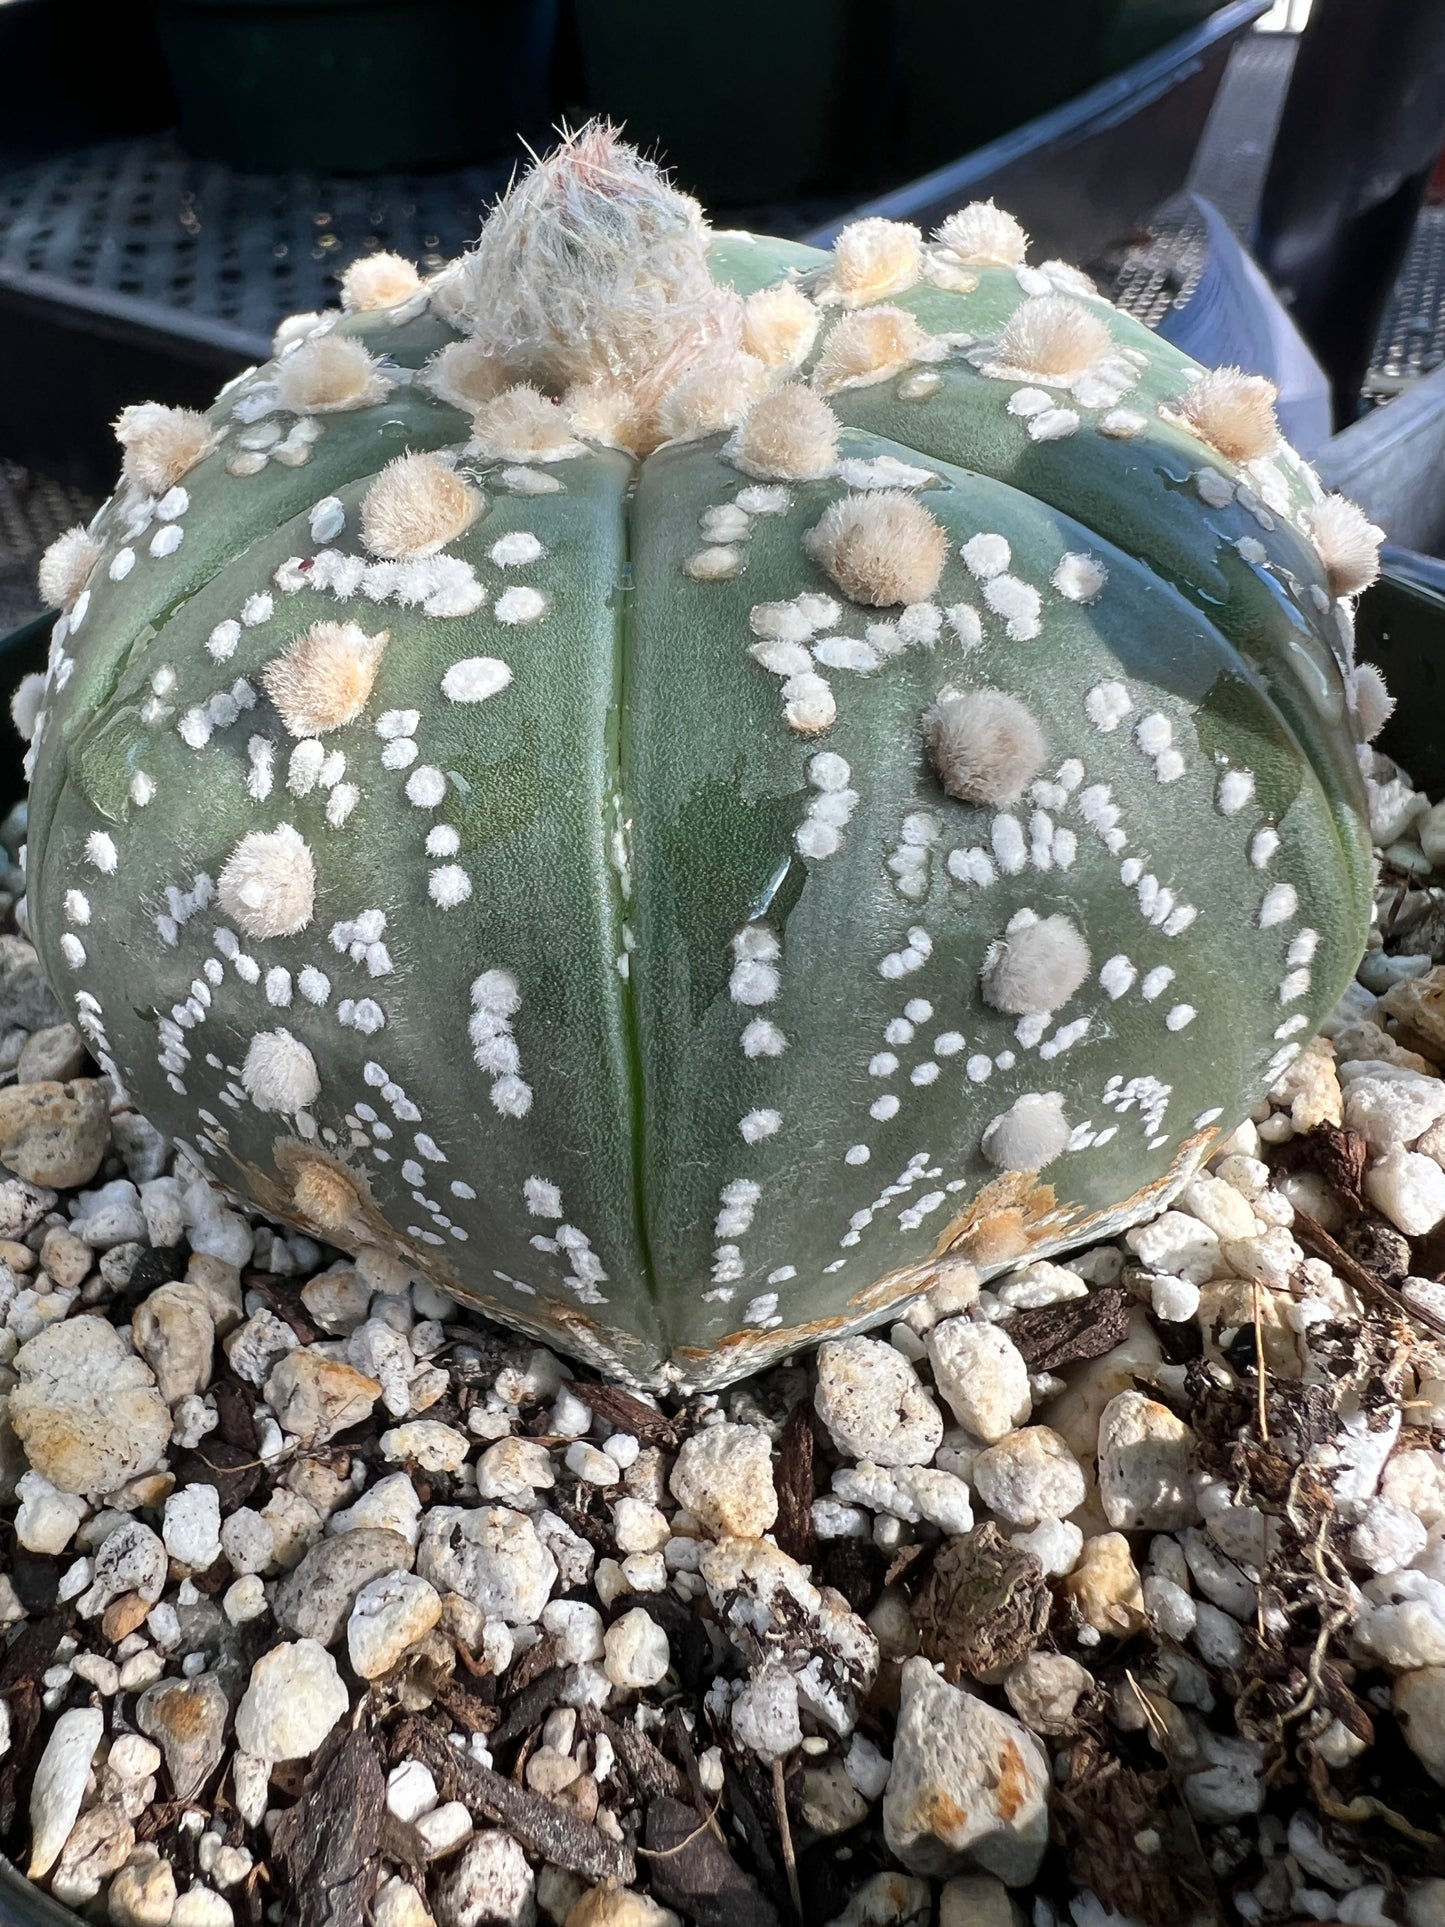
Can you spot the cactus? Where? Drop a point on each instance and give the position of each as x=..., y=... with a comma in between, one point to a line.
x=685, y=787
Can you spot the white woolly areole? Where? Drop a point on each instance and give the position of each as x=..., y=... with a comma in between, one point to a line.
x=268, y=884
x=790, y=435
x=1230, y=411
x=522, y=425
x=1030, y=1134
x=881, y=548
x=779, y=326
x=1347, y=541
x=327, y=375
x=415, y=506
x=1371, y=699
x=1054, y=336
x=475, y=679
x=26, y=704
x=984, y=236
x=100, y=852
x=279, y=1073
x=464, y=375
x=65, y=567
x=1036, y=968
x=324, y=680
x=378, y=281
x=986, y=746
x=161, y=444
x=873, y=258
x=866, y=347
x=593, y=265
x=1080, y=578
x=711, y=397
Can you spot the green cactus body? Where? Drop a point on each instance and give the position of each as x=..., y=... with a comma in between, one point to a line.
x=621, y=960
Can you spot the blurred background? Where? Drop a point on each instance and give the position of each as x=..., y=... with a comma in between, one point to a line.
x=1262, y=182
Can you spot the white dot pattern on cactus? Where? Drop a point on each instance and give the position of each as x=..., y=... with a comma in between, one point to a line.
x=1037, y=602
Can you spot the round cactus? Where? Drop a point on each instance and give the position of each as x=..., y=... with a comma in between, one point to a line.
x=685, y=787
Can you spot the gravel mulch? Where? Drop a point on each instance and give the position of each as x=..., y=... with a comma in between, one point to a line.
x=1114, y=1588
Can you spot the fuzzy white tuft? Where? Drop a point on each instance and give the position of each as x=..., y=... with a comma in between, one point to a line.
x=301, y=327
x=1230, y=411
x=611, y=412
x=1030, y=1134
x=881, y=548
x=1036, y=968
x=324, y=680
x=986, y=746
x=464, y=375
x=378, y=281
x=1372, y=701
x=1347, y=541
x=65, y=567
x=790, y=435
x=279, y=1073
x=866, y=347
x=522, y=425
x=27, y=702
x=327, y=375
x=874, y=258
x=1054, y=336
x=268, y=884
x=712, y=397
x=161, y=444
x=592, y=264
x=416, y=506
x=780, y=325
x=984, y=236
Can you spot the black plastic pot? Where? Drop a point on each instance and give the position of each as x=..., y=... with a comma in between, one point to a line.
x=20, y=653
x=357, y=86
x=22, y=1905
x=75, y=72
x=1401, y=626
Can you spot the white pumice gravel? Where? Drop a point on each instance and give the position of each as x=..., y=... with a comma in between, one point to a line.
x=268, y=1501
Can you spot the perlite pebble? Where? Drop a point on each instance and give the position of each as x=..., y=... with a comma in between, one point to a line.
x=1387, y=1537
x=391, y=1614
x=191, y=1527
x=411, y=1790
x=293, y=1699
x=635, y=1651
x=492, y=1556
x=1419, y=1703
x=1408, y=1188
x=86, y=1409
x=490, y=1885
x=1044, y=1688
x=47, y=1520
x=59, y=1784
x=1146, y=1465
x=1029, y=1477
x=765, y=1716
x=969, y=1785
x=723, y=1475
x=1055, y=1543
x=871, y=1401
x=982, y=1374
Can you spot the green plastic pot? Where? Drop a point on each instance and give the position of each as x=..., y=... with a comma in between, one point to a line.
x=966, y=76
x=742, y=109
x=357, y=86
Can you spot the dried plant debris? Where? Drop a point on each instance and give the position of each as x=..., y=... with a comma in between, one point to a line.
x=1108, y=1591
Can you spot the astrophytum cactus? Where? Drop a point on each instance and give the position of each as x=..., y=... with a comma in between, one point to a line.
x=685, y=787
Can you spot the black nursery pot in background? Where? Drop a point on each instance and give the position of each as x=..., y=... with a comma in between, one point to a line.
x=357, y=86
